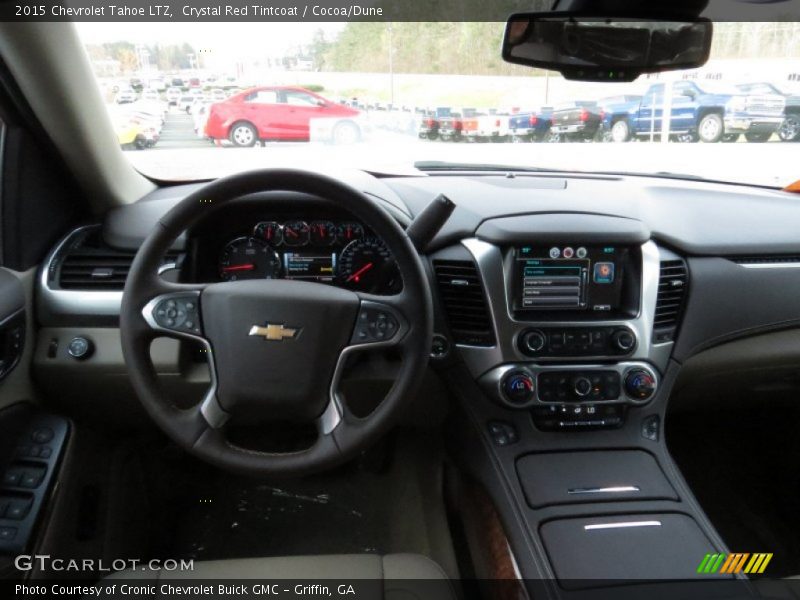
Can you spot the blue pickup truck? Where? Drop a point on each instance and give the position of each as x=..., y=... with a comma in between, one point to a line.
x=530, y=125
x=696, y=114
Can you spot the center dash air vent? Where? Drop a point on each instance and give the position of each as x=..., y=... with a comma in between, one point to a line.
x=672, y=285
x=464, y=302
x=87, y=263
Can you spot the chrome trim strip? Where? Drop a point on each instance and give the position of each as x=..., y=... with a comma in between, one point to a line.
x=773, y=265
x=210, y=407
x=167, y=267
x=621, y=525
x=495, y=271
x=619, y=489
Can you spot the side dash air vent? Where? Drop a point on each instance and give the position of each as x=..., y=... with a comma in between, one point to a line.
x=87, y=263
x=464, y=302
x=672, y=286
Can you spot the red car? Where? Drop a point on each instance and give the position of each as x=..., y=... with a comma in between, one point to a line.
x=278, y=113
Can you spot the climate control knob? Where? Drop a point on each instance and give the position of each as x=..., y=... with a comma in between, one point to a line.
x=623, y=340
x=533, y=342
x=519, y=387
x=640, y=384
x=582, y=386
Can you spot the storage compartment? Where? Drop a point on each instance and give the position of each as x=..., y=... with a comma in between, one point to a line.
x=597, y=476
x=606, y=551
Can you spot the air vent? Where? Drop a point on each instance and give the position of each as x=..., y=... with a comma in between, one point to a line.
x=672, y=285
x=464, y=302
x=87, y=263
x=766, y=260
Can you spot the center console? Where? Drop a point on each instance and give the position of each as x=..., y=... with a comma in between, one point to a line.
x=567, y=397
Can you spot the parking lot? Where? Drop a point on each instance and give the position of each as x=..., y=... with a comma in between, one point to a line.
x=179, y=152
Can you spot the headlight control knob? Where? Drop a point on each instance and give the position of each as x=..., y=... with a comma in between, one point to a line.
x=80, y=348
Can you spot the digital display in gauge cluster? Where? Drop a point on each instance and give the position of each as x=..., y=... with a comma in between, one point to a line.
x=341, y=253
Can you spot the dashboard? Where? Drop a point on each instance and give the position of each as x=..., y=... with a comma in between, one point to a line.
x=552, y=292
x=320, y=246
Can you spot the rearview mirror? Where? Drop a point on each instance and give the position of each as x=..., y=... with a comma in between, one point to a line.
x=593, y=48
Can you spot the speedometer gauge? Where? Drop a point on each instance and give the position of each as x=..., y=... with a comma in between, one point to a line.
x=368, y=265
x=248, y=258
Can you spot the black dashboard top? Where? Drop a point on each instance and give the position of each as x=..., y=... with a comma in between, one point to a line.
x=696, y=218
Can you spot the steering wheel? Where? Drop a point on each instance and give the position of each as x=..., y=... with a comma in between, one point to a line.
x=276, y=348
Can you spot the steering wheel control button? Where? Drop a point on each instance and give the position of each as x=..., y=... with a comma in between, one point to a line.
x=80, y=348
x=375, y=325
x=640, y=384
x=519, y=388
x=178, y=313
x=502, y=433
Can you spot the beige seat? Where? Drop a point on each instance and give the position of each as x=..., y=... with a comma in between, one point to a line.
x=394, y=576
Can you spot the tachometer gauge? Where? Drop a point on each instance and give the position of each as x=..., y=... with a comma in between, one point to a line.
x=296, y=233
x=323, y=233
x=348, y=232
x=248, y=258
x=269, y=231
x=368, y=265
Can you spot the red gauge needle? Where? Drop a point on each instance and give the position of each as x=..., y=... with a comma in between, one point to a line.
x=360, y=272
x=245, y=267
x=291, y=233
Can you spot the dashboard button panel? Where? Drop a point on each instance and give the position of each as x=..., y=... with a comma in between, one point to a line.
x=576, y=341
x=528, y=385
x=564, y=417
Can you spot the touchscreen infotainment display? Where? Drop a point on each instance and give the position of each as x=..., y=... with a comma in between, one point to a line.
x=569, y=277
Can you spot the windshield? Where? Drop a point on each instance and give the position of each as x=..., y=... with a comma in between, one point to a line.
x=201, y=100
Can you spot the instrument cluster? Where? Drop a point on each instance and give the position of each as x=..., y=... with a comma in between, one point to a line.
x=342, y=253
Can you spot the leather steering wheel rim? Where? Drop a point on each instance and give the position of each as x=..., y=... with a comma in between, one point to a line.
x=200, y=430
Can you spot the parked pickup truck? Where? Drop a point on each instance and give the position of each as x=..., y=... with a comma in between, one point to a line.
x=789, y=129
x=575, y=121
x=428, y=128
x=451, y=125
x=531, y=125
x=696, y=114
x=489, y=125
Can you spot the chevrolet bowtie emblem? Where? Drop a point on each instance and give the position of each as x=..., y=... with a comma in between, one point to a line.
x=275, y=333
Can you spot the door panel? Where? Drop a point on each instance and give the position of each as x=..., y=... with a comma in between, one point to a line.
x=15, y=326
